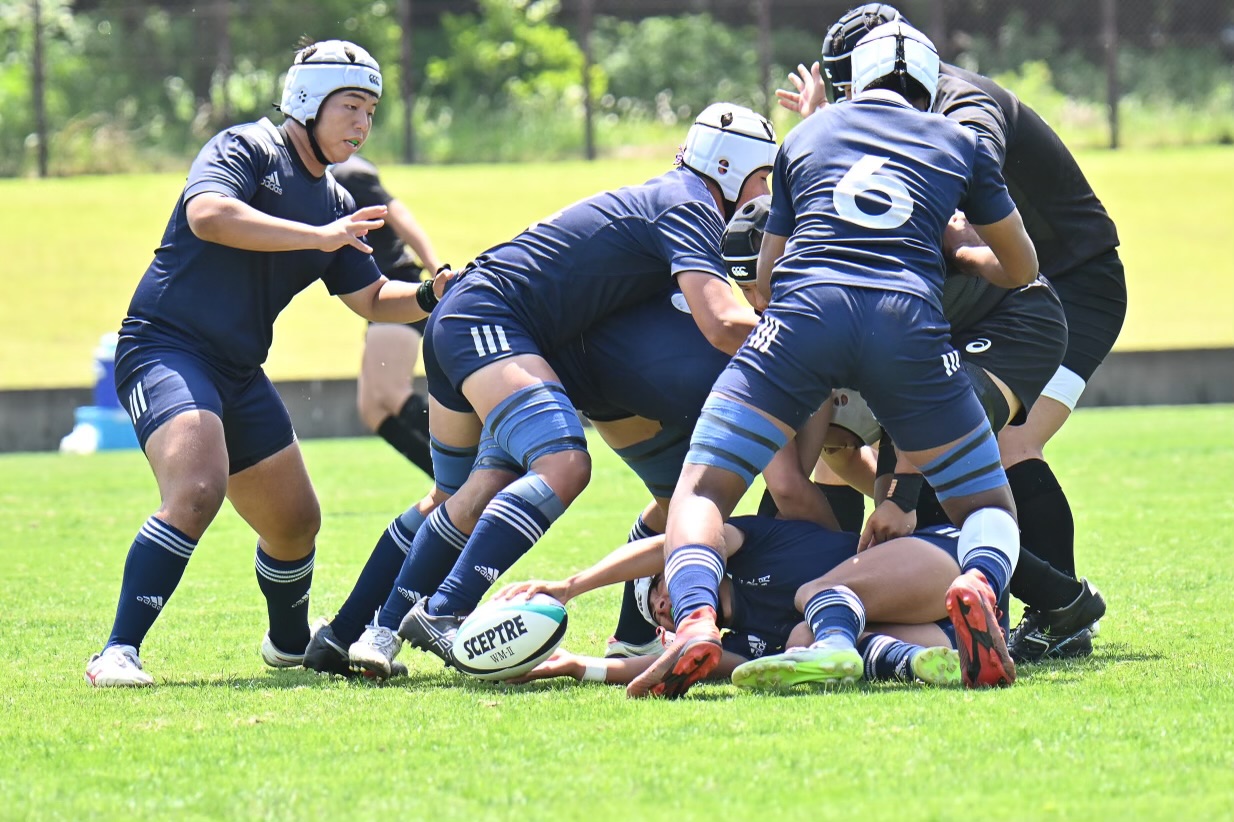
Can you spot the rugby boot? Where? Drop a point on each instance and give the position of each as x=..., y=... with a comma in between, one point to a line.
x=275, y=657
x=374, y=651
x=117, y=666
x=617, y=649
x=695, y=653
x=434, y=634
x=936, y=666
x=828, y=661
x=1063, y=633
x=326, y=654
x=984, y=662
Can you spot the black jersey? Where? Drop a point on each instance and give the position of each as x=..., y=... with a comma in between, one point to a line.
x=362, y=182
x=1062, y=215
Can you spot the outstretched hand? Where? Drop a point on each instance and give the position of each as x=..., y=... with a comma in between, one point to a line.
x=350, y=229
x=809, y=94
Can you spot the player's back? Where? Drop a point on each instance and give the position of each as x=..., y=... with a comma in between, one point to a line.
x=865, y=189
x=602, y=254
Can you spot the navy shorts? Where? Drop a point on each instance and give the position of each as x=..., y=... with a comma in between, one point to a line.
x=470, y=328
x=157, y=382
x=1021, y=341
x=891, y=346
x=1094, y=297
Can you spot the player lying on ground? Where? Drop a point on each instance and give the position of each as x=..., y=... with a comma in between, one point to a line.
x=772, y=568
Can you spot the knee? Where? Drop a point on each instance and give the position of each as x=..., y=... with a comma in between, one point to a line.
x=805, y=593
x=192, y=505
x=566, y=472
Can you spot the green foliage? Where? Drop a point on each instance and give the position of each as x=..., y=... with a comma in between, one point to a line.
x=1138, y=731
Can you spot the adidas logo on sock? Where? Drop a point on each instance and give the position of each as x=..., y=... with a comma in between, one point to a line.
x=302, y=600
x=154, y=602
x=271, y=181
x=488, y=573
x=411, y=596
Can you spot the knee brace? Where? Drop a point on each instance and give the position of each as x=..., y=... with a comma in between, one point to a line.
x=451, y=465
x=535, y=421
x=970, y=467
x=734, y=437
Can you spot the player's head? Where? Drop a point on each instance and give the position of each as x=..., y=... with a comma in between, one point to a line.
x=729, y=145
x=320, y=70
x=898, y=57
x=654, y=603
x=741, y=242
x=843, y=37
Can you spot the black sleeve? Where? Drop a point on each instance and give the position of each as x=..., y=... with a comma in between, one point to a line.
x=966, y=104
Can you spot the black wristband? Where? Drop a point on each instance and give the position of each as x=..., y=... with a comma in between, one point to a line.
x=905, y=491
x=425, y=296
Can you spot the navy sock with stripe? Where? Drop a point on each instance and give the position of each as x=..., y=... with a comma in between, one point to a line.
x=433, y=552
x=836, y=613
x=155, y=563
x=374, y=583
x=285, y=584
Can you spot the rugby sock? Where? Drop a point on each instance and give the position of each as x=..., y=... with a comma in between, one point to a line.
x=1047, y=526
x=285, y=585
x=433, y=552
x=1040, y=585
x=374, y=583
x=990, y=543
x=836, y=613
x=693, y=573
x=631, y=627
x=887, y=659
x=847, y=503
x=155, y=563
x=511, y=523
x=407, y=432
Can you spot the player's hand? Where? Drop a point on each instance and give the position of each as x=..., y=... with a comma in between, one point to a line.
x=558, y=590
x=809, y=94
x=443, y=276
x=958, y=234
x=561, y=663
x=350, y=229
x=886, y=523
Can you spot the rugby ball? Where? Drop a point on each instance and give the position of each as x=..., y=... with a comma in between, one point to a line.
x=507, y=638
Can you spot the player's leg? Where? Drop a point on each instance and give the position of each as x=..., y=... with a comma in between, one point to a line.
x=525, y=407
x=384, y=395
x=176, y=414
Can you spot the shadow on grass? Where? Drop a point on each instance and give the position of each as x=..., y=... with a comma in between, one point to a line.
x=292, y=679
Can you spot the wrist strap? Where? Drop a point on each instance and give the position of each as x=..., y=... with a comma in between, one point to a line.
x=425, y=296
x=905, y=491
x=595, y=673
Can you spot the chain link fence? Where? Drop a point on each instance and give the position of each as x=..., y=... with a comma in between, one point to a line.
x=122, y=85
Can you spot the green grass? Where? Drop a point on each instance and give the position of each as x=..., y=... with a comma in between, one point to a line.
x=76, y=248
x=1140, y=731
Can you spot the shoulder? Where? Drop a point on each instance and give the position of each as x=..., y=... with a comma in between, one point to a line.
x=355, y=168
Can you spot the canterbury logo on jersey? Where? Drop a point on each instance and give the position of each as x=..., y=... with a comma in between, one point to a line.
x=951, y=362
x=137, y=402
x=764, y=335
x=489, y=339
x=271, y=181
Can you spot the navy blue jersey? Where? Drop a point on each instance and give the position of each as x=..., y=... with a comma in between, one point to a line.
x=612, y=250
x=864, y=190
x=222, y=301
x=777, y=557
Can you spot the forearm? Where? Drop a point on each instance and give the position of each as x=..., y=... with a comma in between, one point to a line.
x=631, y=561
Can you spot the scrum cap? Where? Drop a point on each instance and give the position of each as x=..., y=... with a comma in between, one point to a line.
x=728, y=143
x=843, y=37
x=743, y=237
x=899, y=50
x=321, y=69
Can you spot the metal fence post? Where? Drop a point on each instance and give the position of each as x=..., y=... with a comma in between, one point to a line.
x=39, y=89
x=406, y=86
x=1109, y=27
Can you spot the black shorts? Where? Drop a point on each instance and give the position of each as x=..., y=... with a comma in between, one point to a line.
x=1021, y=341
x=1094, y=297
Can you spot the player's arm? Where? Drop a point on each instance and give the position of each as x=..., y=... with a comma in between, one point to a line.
x=411, y=232
x=772, y=250
x=788, y=474
x=1014, y=250
x=641, y=558
x=217, y=218
x=619, y=671
x=394, y=301
x=724, y=320
x=809, y=95
x=897, y=489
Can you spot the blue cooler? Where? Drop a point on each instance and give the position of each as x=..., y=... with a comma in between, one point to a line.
x=105, y=372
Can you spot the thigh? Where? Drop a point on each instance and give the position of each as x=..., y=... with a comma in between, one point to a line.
x=390, y=353
x=155, y=384
x=276, y=498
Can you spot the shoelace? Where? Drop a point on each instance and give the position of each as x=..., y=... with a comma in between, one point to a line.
x=382, y=639
x=127, y=659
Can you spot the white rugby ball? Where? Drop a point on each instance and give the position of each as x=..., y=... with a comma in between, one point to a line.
x=507, y=638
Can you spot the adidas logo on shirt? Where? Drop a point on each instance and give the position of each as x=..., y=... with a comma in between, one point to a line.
x=488, y=573
x=154, y=602
x=271, y=181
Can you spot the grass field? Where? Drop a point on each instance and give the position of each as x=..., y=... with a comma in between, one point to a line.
x=1141, y=730
x=76, y=248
